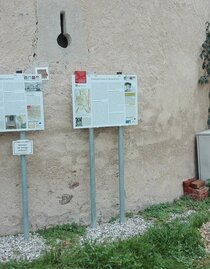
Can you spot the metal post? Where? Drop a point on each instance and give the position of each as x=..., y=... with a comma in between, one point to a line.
x=121, y=175
x=24, y=192
x=92, y=178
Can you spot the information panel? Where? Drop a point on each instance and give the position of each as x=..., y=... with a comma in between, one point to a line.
x=21, y=103
x=104, y=100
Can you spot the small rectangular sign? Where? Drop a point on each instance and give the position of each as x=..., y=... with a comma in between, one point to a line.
x=43, y=71
x=22, y=147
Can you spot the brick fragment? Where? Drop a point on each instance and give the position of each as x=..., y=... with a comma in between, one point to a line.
x=200, y=191
x=186, y=185
x=197, y=183
x=199, y=194
x=199, y=197
x=187, y=190
x=187, y=182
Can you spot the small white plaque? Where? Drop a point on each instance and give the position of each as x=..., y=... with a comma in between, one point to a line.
x=22, y=147
x=43, y=71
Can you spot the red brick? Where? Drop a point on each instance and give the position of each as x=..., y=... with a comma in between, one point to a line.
x=199, y=194
x=198, y=197
x=201, y=190
x=186, y=182
x=197, y=184
x=187, y=190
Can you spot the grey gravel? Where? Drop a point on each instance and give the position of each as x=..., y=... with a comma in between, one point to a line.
x=110, y=232
x=205, y=234
x=182, y=216
x=14, y=247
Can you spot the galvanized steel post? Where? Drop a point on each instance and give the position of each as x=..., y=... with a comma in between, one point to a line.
x=24, y=192
x=92, y=178
x=121, y=174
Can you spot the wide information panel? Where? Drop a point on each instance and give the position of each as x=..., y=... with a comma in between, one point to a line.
x=104, y=100
x=21, y=103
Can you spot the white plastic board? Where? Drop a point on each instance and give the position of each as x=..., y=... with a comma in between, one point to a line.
x=104, y=101
x=22, y=147
x=21, y=103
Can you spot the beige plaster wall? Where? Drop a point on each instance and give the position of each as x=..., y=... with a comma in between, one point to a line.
x=159, y=40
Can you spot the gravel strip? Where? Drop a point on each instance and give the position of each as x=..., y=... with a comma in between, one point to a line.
x=14, y=247
x=110, y=232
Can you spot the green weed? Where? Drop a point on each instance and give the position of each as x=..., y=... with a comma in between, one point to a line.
x=63, y=234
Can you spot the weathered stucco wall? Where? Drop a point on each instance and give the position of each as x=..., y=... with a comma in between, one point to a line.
x=157, y=40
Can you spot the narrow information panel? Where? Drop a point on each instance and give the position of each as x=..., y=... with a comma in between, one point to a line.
x=21, y=103
x=104, y=100
x=22, y=147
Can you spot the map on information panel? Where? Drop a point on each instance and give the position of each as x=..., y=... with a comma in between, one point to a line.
x=21, y=103
x=104, y=100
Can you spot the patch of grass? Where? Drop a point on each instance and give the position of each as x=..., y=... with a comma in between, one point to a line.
x=172, y=245
x=66, y=233
x=162, y=212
